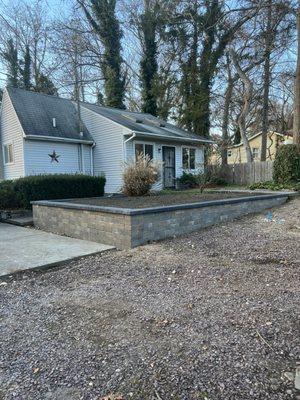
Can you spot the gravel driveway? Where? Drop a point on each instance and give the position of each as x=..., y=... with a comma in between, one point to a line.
x=212, y=315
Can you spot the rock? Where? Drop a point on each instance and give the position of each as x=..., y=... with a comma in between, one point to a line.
x=297, y=378
x=63, y=394
x=289, y=375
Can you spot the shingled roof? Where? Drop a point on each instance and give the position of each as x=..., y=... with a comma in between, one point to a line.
x=36, y=112
x=144, y=123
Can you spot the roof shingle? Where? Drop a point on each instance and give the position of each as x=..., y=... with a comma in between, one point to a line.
x=37, y=110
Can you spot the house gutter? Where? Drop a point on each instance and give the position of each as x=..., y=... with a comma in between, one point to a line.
x=56, y=139
x=171, y=138
x=92, y=158
x=127, y=141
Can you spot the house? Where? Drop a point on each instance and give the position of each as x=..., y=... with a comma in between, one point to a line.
x=42, y=134
x=237, y=154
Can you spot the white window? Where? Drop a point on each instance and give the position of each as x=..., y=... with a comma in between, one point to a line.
x=188, y=158
x=229, y=153
x=255, y=153
x=144, y=149
x=8, y=153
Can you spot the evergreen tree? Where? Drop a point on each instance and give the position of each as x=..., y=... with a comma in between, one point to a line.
x=101, y=14
x=45, y=85
x=99, y=98
x=148, y=64
x=26, y=70
x=11, y=58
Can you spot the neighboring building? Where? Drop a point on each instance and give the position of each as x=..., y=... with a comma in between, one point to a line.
x=41, y=134
x=237, y=154
x=214, y=157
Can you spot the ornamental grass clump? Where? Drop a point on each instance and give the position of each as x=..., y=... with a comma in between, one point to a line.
x=140, y=176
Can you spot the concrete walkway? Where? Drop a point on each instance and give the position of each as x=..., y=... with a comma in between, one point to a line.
x=24, y=248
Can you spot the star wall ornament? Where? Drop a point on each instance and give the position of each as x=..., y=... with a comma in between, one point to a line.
x=54, y=156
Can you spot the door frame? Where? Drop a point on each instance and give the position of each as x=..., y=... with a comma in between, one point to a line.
x=174, y=147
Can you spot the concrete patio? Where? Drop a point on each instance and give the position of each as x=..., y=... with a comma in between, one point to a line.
x=24, y=248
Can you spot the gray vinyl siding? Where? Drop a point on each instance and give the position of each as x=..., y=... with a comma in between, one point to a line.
x=108, y=152
x=37, y=160
x=11, y=132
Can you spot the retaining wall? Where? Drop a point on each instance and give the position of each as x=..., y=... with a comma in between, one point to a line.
x=127, y=228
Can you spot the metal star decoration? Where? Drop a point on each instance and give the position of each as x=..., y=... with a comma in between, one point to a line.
x=54, y=156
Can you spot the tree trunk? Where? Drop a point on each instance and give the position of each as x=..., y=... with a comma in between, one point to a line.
x=225, y=136
x=202, y=121
x=296, y=127
x=266, y=90
x=246, y=106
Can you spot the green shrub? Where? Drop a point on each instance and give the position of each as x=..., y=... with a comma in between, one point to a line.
x=196, y=180
x=189, y=180
x=287, y=164
x=19, y=193
x=218, y=180
x=8, y=197
x=270, y=185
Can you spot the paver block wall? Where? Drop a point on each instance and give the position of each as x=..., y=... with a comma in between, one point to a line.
x=135, y=227
x=106, y=228
x=150, y=227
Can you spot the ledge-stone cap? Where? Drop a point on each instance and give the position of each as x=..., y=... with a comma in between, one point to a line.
x=160, y=209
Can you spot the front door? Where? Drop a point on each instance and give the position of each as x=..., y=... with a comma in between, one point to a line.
x=169, y=166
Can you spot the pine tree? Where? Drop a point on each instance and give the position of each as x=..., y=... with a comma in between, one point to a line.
x=11, y=58
x=26, y=70
x=101, y=14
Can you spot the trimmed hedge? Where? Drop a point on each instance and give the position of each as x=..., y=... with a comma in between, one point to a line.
x=20, y=192
x=287, y=164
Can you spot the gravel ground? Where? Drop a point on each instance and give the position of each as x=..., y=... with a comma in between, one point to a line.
x=212, y=315
x=160, y=199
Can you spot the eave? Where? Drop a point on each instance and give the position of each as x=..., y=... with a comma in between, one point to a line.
x=57, y=139
x=147, y=135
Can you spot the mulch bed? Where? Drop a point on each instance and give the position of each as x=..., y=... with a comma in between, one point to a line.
x=160, y=199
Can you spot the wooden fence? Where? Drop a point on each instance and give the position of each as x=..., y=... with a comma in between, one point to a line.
x=245, y=174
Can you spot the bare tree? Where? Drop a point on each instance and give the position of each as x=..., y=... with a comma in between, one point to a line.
x=296, y=127
x=247, y=96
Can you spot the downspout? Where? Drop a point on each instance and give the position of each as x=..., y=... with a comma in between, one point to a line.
x=82, y=159
x=124, y=145
x=92, y=159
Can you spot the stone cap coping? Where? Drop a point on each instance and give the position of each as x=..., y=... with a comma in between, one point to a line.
x=67, y=204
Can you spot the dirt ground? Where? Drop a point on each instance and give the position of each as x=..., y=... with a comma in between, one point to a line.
x=212, y=315
x=160, y=199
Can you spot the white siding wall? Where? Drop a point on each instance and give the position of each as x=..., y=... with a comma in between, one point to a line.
x=37, y=160
x=87, y=159
x=108, y=152
x=157, y=155
x=11, y=132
